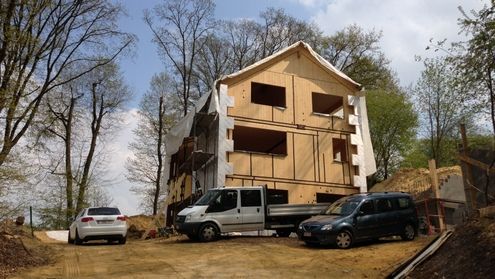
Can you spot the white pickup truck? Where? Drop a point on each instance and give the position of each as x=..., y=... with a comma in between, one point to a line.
x=231, y=209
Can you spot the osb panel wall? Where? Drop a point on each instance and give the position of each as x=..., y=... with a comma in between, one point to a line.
x=309, y=159
x=242, y=99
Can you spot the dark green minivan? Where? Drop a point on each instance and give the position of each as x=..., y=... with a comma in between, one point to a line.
x=360, y=217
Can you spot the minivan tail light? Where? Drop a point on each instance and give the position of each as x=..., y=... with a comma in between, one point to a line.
x=87, y=219
x=122, y=218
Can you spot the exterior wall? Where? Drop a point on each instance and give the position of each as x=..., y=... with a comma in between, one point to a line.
x=309, y=167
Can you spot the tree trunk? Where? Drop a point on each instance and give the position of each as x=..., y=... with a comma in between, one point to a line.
x=95, y=130
x=68, y=162
x=161, y=113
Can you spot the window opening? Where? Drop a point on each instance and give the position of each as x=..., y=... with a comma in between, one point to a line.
x=259, y=140
x=266, y=94
x=327, y=198
x=276, y=196
x=339, y=150
x=327, y=105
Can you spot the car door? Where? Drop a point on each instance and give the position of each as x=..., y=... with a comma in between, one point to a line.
x=386, y=216
x=251, y=210
x=366, y=221
x=225, y=210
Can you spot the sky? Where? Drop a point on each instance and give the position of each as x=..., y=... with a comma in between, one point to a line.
x=407, y=27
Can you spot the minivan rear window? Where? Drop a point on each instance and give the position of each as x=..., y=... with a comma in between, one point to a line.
x=404, y=203
x=103, y=211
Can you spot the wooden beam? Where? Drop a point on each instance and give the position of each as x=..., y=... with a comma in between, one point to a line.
x=476, y=163
x=469, y=175
x=436, y=191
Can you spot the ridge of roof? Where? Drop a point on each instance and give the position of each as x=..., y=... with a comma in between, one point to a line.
x=323, y=62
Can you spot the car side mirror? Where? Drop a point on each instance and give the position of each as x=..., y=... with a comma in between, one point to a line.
x=361, y=213
x=71, y=219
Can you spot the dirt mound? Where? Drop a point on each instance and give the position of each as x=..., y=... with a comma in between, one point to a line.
x=414, y=181
x=18, y=250
x=468, y=253
x=139, y=224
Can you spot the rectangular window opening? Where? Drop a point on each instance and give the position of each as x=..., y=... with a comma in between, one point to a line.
x=277, y=196
x=339, y=150
x=266, y=94
x=327, y=198
x=327, y=104
x=260, y=140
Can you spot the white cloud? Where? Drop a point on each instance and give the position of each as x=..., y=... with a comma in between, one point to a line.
x=407, y=25
x=119, y=152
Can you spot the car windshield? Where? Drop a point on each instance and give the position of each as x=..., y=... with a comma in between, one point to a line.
x=103, y=211
x=208, y=197
x=342, y=208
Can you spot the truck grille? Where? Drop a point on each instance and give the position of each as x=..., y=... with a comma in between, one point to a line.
x=310, y=228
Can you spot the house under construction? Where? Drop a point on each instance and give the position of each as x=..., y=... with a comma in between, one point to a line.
x=292, y=122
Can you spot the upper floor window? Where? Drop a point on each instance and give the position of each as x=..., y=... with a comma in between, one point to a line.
x=266, y=94
x=326, y=104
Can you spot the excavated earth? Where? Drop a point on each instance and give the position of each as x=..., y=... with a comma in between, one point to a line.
x=468, y=253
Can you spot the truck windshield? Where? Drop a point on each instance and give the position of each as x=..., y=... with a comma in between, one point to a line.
x=342, y=208
x=208, y=197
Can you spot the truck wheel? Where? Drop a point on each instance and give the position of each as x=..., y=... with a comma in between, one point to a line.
x=208, y=232
x=408, y=233
x=343, y=239
x=283, y=233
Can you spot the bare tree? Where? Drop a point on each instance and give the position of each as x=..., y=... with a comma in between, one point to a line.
x=356, y=52
x=157, y=113
x=182, y=25
x=39, y=40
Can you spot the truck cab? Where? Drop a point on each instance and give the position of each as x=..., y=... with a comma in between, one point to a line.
x=223, y=210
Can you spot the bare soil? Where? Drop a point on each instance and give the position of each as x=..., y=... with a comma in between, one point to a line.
x=19, y=250
x=468, y=253
x=231, y=257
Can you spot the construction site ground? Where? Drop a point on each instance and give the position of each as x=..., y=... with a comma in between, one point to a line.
x=230, y=257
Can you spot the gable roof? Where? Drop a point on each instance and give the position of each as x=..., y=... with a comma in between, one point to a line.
x=280, y=55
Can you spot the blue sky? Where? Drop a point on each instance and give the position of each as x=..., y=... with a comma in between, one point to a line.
x=407, y=27
x=139, y=69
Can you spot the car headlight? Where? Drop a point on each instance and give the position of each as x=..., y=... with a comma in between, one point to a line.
x=300, y=226
x=188, y=218
x=326, y=227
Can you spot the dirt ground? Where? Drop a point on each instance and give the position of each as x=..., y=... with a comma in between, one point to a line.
x=232, y=257
x=468, y=253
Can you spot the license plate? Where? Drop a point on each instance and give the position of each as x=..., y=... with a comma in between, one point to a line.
x=105, y=222
x=307, y=234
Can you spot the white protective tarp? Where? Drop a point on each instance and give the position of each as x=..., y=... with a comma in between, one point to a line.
x=183, y=128
x=369, y=158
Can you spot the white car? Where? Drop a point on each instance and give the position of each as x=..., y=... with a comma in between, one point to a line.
x=97, y=223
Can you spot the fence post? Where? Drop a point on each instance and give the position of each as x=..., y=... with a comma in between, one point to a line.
x=31, y=220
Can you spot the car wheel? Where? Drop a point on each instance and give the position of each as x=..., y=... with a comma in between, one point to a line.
x=208, y=232
x=78, y=241
x=343, y=239
x=69, y=240
x=283, y=233
x=408, y=233
x=123, y=240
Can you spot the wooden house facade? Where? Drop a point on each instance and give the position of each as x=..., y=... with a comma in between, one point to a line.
x=291, y=122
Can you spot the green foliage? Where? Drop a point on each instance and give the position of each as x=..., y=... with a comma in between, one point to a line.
x=393, y=125
x=356, y=52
